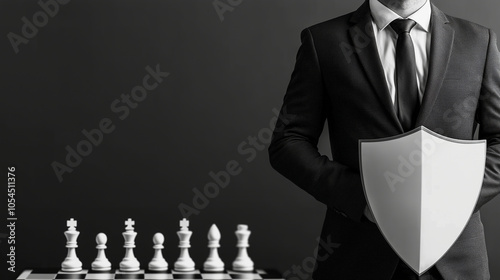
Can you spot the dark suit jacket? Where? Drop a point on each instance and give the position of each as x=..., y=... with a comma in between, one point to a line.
x=338, y=77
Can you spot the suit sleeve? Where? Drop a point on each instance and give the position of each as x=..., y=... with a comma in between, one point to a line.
x=293, y=150
x=488, y=116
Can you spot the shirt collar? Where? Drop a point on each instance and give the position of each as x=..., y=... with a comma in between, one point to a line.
x=383, y=16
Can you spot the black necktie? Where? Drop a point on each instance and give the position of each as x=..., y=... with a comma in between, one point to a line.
x=407, y=101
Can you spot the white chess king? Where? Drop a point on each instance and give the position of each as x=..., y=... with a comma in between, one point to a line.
x=129, y=262
x=184, y=262
x=71, y=262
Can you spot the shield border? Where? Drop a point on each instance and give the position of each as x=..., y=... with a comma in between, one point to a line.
x=425, y=129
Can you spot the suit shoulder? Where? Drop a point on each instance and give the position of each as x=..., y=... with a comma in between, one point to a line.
x=332, y=25
x=468, y=28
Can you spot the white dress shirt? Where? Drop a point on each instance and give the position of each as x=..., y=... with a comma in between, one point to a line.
x=386, y=39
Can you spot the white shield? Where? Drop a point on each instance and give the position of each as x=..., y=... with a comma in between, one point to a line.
x=422, y=189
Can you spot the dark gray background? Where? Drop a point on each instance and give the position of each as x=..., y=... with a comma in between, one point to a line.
x=226, y=77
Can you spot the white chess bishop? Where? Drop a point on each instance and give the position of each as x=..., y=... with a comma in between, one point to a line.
x=158, y=263
x=71, y=262
x=242, y=261
x=213, y=262
x=101, y=263
x=184, y=262
x=129, y=262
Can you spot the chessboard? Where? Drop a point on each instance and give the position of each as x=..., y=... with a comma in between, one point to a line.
x=52, y=274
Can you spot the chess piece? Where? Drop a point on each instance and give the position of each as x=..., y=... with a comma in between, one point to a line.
x=129, y=262
x=101, y=263
x=213, y=262
x=184, y=262
x=71, y=262
x=158, y=263
x=242, y=261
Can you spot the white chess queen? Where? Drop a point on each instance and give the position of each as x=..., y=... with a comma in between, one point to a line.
x=242, y=261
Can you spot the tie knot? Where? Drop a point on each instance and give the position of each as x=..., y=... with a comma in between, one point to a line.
x=403, y=25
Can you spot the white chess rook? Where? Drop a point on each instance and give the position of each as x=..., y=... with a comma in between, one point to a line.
x=129, y=262
x=71, y=262
x=184, y=262
x=213, y=262
x=158, y=263
x=242, y=261
x=101, y=263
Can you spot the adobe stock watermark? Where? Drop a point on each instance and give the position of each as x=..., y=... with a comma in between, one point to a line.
x=40, y=19
x=248, y=149
x=121, y=107
x=361, y=40
x=460, y=112
x=463, y=110
x=456, y=115
x=223, y=6
x=407, y=165
x=307, y=267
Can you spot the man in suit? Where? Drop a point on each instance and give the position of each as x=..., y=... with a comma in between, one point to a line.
x=372, y=78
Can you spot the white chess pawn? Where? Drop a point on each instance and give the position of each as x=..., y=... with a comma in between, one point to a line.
x=101, y=263
x=158, y=263
x=242, y=261
x=184, y=262
x=129, y=262
x=71, y=262
x=213, y=262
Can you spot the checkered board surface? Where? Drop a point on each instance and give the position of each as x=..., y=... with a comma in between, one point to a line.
x=51, y=274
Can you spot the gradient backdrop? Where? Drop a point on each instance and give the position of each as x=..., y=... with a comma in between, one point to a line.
x=227, y=76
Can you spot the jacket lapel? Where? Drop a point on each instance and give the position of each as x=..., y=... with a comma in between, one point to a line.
x=367, y=52
x=442, y=36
